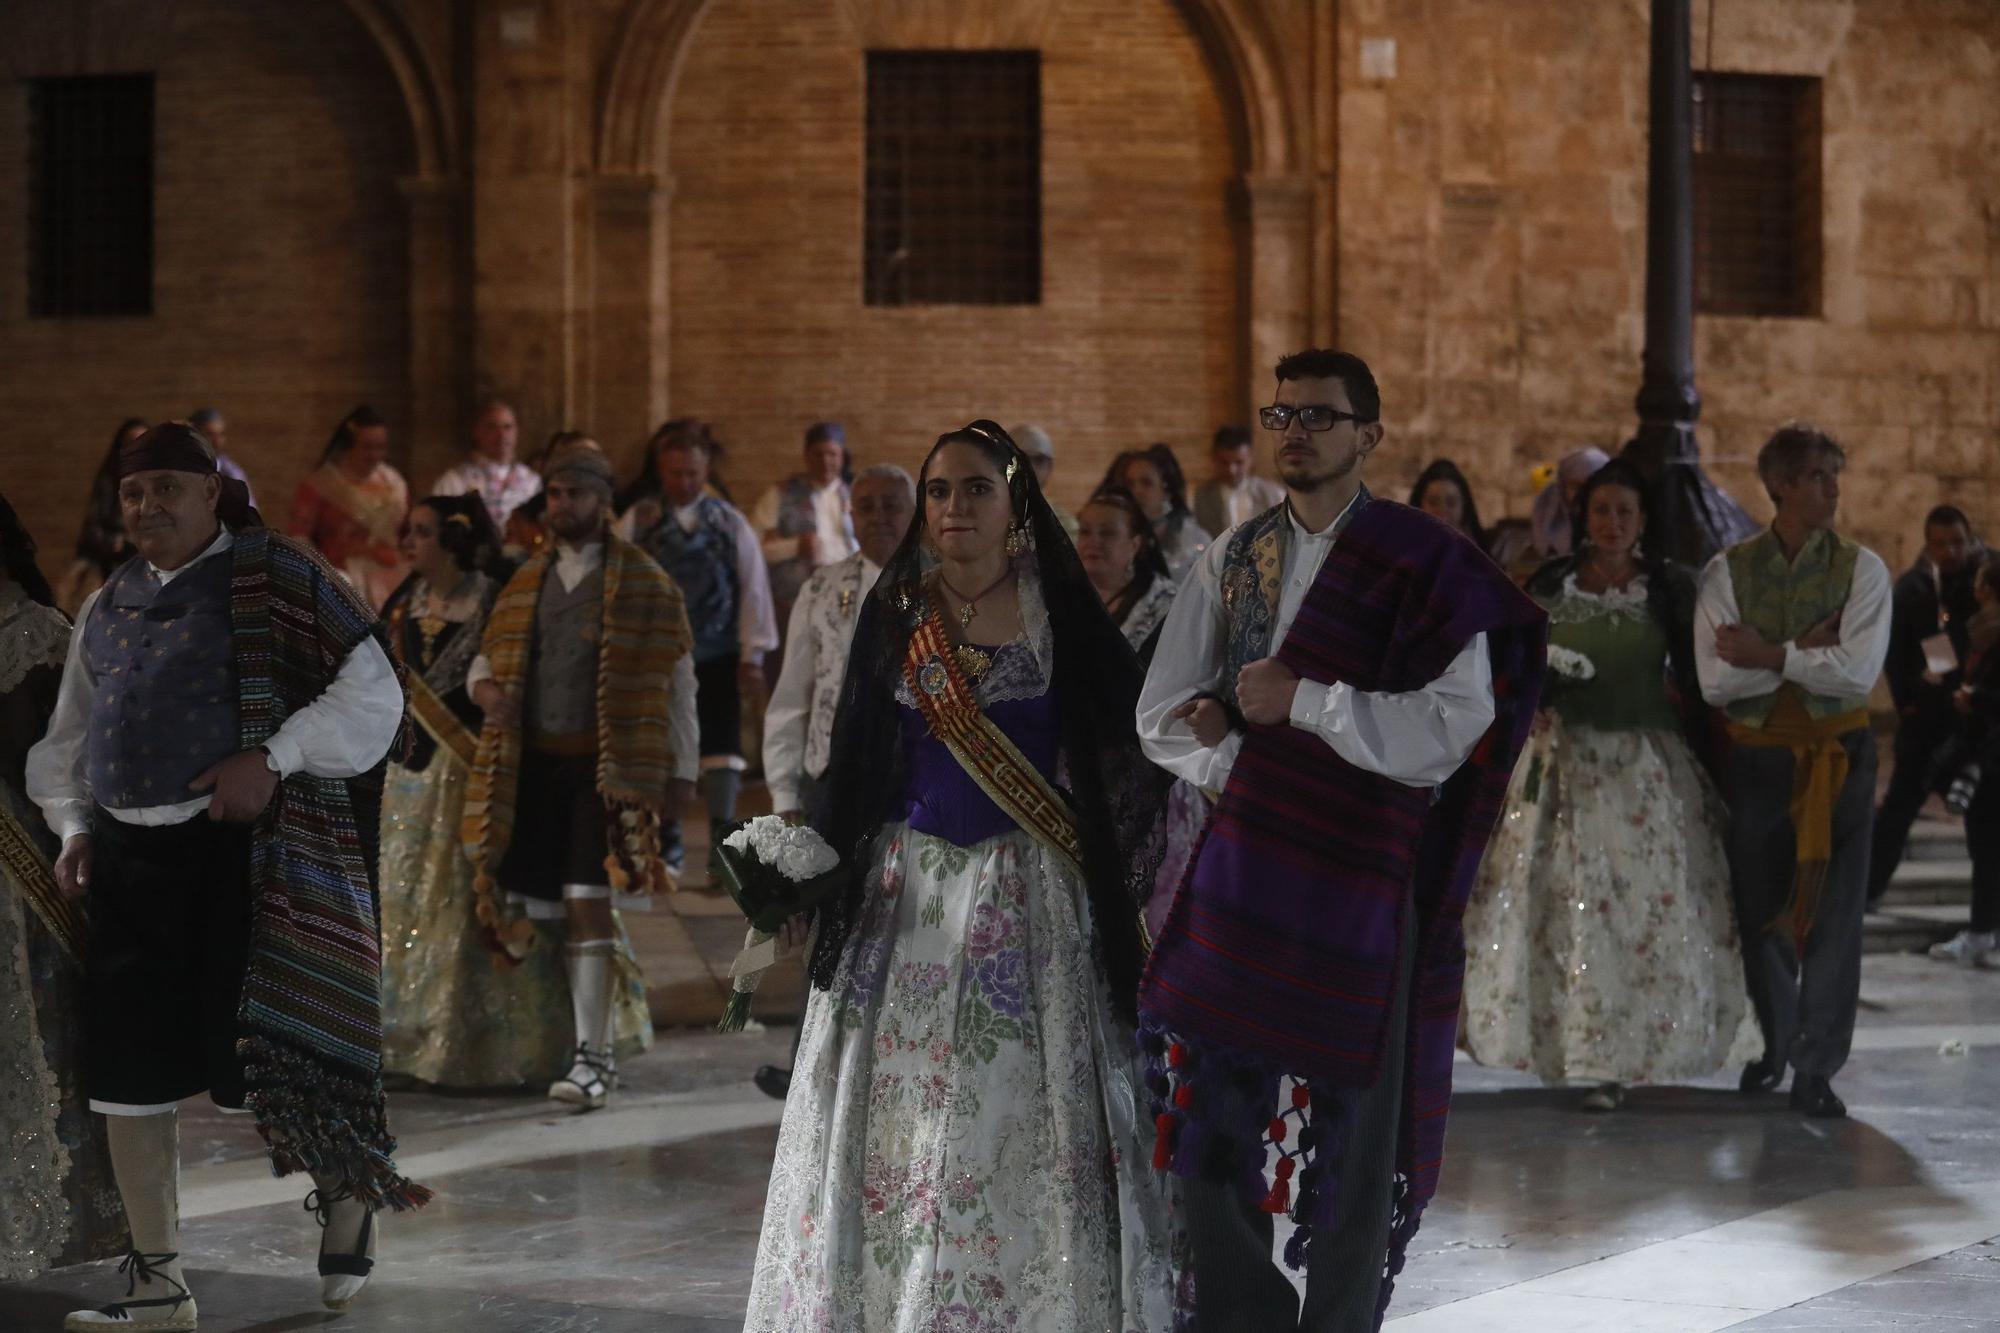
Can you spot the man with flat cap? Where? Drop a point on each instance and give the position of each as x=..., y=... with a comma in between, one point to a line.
x=590, y=743
x=212, y=768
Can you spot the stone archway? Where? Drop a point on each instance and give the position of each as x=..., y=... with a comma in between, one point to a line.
x=434, y=193
x=1279, y=121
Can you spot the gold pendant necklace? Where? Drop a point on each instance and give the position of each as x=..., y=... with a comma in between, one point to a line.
x=969, y=606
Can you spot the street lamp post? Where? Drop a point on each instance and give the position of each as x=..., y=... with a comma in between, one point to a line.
x=1692, y=518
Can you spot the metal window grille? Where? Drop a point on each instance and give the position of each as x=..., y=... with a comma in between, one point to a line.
x=90, y=196
x=1757, y=195
x=954, y=178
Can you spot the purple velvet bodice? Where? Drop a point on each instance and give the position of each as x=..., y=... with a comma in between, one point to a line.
x=941, y=799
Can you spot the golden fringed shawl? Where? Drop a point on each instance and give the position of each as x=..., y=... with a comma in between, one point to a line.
x=645, y=635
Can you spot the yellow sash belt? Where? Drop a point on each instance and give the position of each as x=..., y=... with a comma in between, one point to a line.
x=1819, y=771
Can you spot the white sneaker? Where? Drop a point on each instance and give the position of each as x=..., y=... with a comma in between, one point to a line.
x=587, y=1085
x=1968, y=948
x=155, y=1299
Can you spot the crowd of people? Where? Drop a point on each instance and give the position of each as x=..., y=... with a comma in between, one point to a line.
x=1189, y=835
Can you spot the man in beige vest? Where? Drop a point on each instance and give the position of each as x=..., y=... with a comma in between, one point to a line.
x=1790, y=633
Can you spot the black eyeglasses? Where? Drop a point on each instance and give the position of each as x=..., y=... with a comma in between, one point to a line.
x=1313, y=416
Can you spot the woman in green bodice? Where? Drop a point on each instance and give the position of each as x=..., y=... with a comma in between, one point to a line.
x=1600, y=940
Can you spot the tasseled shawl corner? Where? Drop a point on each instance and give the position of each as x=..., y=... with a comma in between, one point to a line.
x=311, y=1011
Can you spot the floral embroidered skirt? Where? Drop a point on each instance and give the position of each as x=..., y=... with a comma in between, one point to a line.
x=1600, y=937
x=961, y=1148
x=449, y=1016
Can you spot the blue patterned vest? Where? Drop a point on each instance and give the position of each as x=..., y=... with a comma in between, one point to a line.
x=703, y=563
x=163, y=661
x=1253, y=571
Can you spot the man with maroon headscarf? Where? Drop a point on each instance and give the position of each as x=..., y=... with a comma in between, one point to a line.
x=213, y=771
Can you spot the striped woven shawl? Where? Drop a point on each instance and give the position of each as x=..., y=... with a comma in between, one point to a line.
x=645, y=635
x=311, y=1008
x=1281, y=952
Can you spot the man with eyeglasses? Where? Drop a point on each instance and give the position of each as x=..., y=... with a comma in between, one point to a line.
x=1351, y=679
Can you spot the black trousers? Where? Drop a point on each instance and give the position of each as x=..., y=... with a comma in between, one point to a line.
x=718, y=706
x=1238, y=1289
x=1806, y=1000
x=559, y=832
x=169, y=944
x=1919, y=740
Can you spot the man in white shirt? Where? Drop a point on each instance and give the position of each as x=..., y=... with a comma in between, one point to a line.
x=709, y=549
x=1233, y=493
x=798, y=726
x=1328, y=669
x=589, y=746
x=1791, y=629
x=489, y=470
x=197, y=691
x=803, y=520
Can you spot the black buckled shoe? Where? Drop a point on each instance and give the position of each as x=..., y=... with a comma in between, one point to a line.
x=138, y=1268
x=1813, y=1095
x=1760, y=1076
x=342, y=1276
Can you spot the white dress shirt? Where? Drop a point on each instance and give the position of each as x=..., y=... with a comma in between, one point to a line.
x=798, y=724
x=829, y=521
x=572, y=564
x=344, y=732
x=1418, y=738
x=503, y=487
x=756, y=617
x=1845, y=670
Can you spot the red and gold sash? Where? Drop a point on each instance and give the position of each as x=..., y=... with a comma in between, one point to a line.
x=949, y=705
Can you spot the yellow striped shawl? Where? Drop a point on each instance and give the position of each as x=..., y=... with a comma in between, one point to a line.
x=645, y=635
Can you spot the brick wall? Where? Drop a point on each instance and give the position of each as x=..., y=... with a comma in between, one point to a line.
x=280, y=285
x=1492, y=243
x=1135, y=337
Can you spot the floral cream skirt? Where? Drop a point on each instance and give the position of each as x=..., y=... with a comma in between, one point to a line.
x=1600, y=937
x=961, y=1148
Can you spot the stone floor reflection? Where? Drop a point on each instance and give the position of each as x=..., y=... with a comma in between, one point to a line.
x=1691, y=1209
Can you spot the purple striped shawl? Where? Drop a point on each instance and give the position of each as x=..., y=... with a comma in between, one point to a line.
x=1280, y=952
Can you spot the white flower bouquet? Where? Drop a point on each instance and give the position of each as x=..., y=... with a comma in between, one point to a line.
x=774, y=870
x=1570, y=665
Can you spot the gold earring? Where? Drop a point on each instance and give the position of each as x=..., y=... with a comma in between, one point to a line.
x=1017, y=540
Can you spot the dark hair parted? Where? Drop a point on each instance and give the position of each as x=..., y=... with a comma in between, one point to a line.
x=1152, y=561
x=1326, y=363
x=1162, y=459
x=361, y=418
x=1230, y=437
x=1792, y=449
x=1446, y=471
x=465, y=531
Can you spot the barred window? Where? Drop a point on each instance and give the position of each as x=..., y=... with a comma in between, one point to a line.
x=1756, y=195
x=90, y=196
x=954, y=178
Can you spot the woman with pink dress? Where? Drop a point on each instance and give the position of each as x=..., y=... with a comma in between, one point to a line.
x=352, y=506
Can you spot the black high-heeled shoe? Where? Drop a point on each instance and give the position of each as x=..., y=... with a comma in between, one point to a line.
x=341, y=1276
x=138, y=1268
